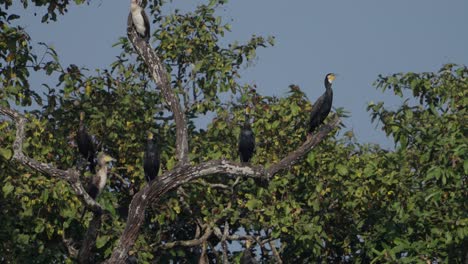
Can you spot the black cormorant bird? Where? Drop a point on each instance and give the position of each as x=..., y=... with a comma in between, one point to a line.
x=85, y=144
x=246, y=139
x=247, y=255
x=151, y=159
x=140, y=20
x=322, y=106
x=99, y=180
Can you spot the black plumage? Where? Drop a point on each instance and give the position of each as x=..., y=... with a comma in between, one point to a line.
x=85, y=144
x=322, y=106
x=246, y=140
x=151, y=159
x=93, y=191
x=247, y=256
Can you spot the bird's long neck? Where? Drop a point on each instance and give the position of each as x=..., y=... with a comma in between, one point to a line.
x=102, y=177
x=150, y=143
x=247, y=121
x=328, y=88
x=81, y=126
x=135, y=8
x=328, y=85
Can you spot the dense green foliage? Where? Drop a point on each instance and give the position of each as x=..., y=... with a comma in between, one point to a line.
x=347, y=201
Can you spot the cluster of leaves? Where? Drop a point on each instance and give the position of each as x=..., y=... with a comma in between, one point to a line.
x=54, y=7
x=430, y=207
x=345, y=202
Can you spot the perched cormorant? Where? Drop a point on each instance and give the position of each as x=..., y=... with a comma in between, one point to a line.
x=98, y=182
x=85, y=144
x=247, y=255
x=322, y=106
x=140, y=20
x=151, y=159
x=246, y=139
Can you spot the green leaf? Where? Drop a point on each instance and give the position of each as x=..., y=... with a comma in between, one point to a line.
x=6, y=153
x=342, y=170
x=253, y=204
x=465, y=167
x=101, y=241
x=7, y=189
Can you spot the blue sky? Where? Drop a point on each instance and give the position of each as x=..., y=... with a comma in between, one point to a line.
x=356, y=39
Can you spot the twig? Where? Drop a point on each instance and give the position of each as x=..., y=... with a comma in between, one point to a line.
x=275, y=252
x=224, y=243
x=72, y=251
x=189, y=243
x=213, y=185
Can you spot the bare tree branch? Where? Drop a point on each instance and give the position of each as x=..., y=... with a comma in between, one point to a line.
x=213, y=185
x=275, y=253
x=220, y=235
x=224, y=243
x=69, y=244
x=71, y=176
x=189, y=243
x=203, y=257
x=161, y=77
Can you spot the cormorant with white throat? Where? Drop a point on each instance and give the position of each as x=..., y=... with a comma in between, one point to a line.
x=99, y=180
x=322, y=106
x=140, y=20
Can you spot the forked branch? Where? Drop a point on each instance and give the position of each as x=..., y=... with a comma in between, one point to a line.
x=71, y=176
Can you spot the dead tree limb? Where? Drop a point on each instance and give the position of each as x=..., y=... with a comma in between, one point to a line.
x=71, y=176
x=189, y=243
x=275, y=252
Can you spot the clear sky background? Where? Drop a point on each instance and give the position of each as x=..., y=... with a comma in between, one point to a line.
x=358, y=40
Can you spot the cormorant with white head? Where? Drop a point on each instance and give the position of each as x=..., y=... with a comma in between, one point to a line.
x=322, y=106
x=140, y=20
x=98, y=182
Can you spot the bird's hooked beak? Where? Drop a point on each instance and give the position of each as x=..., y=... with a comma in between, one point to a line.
x=331, y=77
x=248, y=243
x=149, y=135
x=106, y=158
x=247, y=110
x=109, y=159
x=82, y=115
